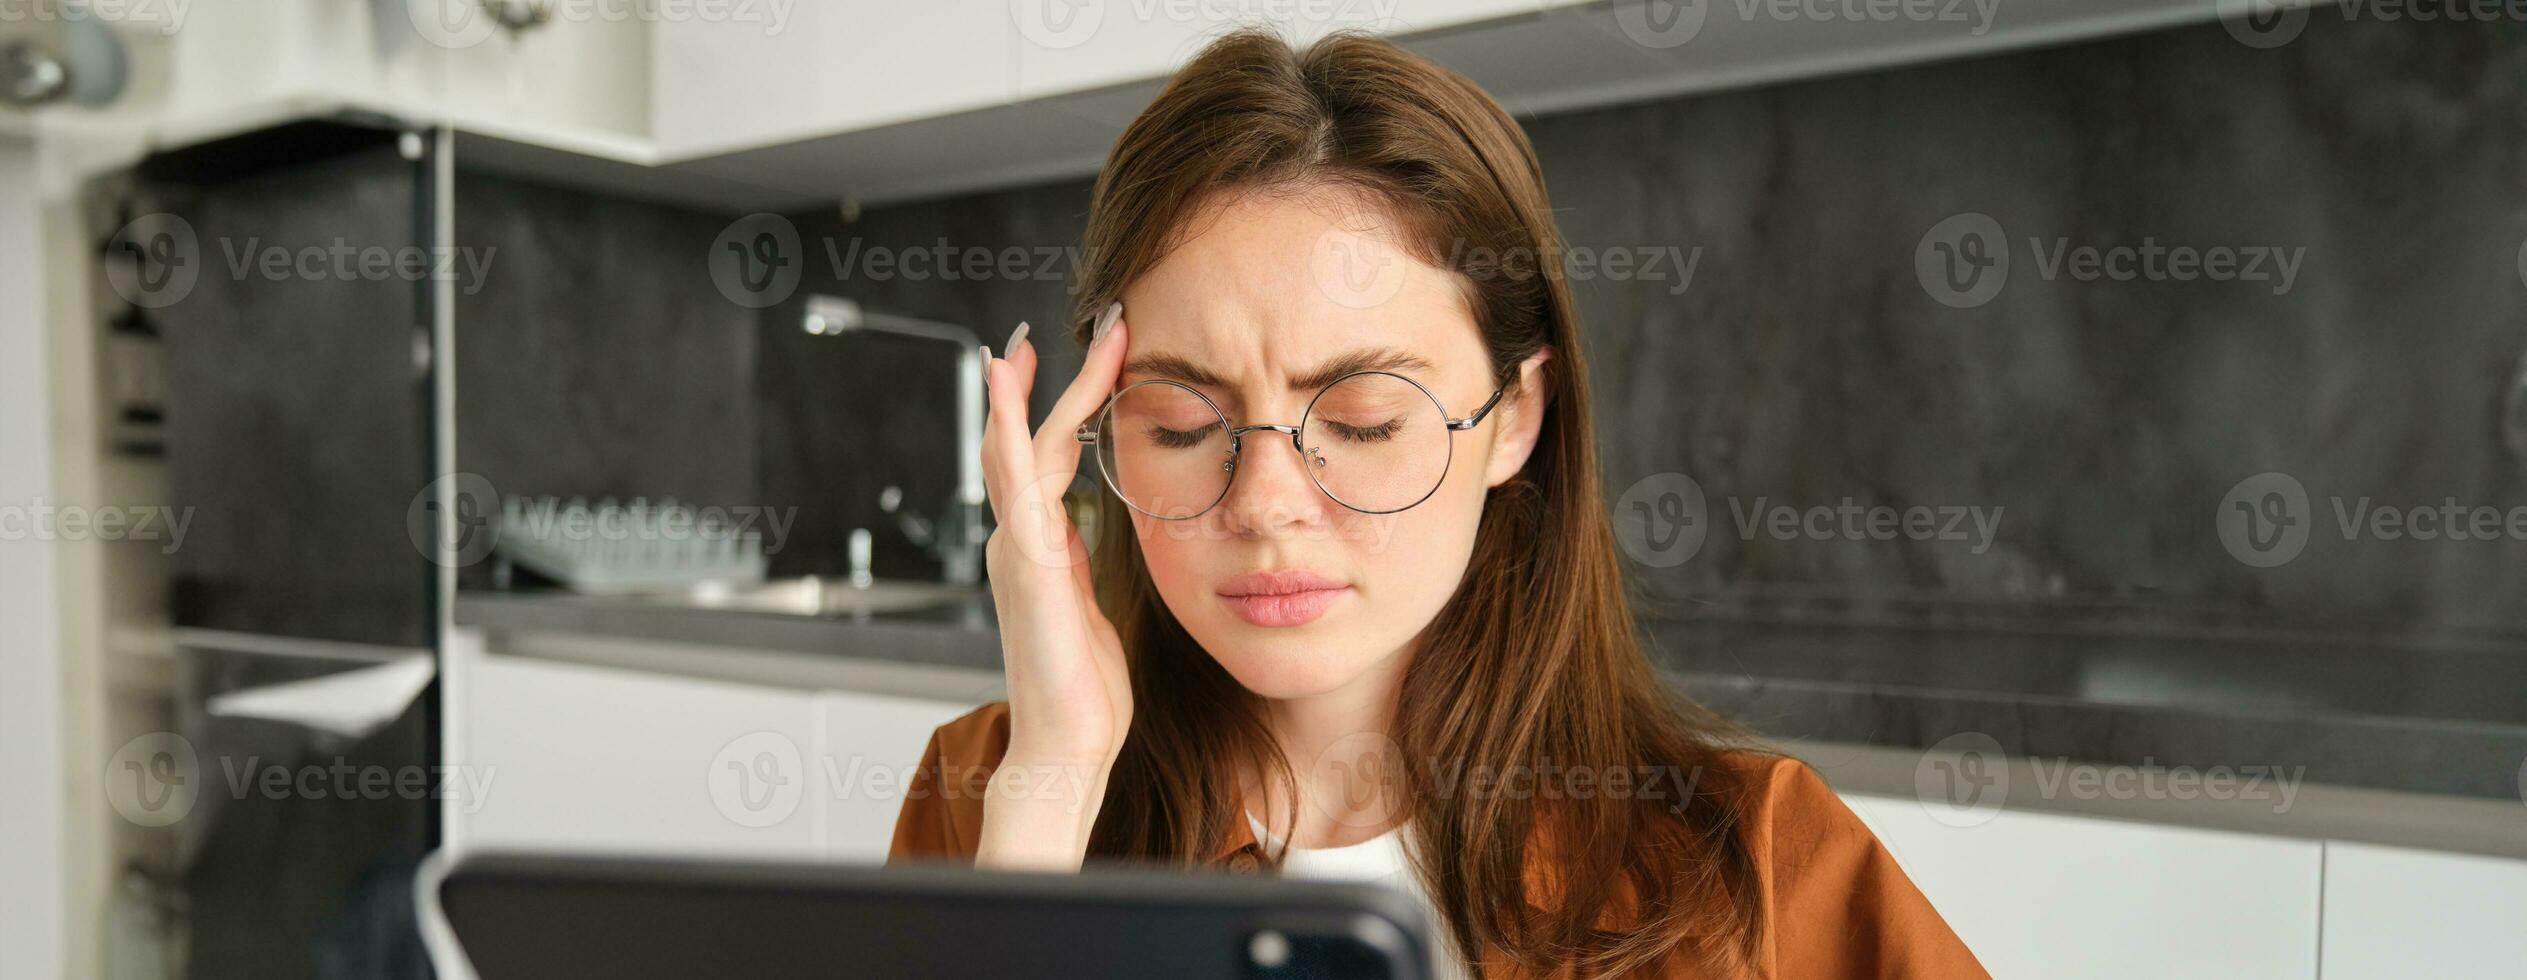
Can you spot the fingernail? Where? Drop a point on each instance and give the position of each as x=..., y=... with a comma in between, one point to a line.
x=1016, y=337
x=1105, y=323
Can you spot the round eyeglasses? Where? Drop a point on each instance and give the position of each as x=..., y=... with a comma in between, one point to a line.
x=1374, y=441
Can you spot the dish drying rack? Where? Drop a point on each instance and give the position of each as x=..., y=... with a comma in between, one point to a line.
x=614, y=547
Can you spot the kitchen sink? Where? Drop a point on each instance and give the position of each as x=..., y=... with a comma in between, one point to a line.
x=816, y=596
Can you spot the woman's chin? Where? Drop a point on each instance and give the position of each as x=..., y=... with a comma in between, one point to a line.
x=1283, y=668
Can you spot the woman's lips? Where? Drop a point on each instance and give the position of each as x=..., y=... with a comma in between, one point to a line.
x=1281, y=598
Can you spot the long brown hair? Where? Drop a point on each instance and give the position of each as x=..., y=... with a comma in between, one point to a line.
x=1533, y=663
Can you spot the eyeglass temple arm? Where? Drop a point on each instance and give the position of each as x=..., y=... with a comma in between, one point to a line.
x=1470, y=421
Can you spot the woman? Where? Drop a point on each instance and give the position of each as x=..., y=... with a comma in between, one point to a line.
x=1354, y=608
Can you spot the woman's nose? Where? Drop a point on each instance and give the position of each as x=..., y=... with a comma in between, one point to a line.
x=1272, y=490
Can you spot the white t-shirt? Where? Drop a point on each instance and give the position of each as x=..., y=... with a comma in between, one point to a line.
x=1378, y=860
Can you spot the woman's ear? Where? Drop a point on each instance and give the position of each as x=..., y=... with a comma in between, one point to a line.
x=1520, y=420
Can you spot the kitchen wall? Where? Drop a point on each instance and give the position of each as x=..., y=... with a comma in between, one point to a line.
x=592, y=327
x=2367, y=345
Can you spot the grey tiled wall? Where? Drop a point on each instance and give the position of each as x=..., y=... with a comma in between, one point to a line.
x=2102, y=426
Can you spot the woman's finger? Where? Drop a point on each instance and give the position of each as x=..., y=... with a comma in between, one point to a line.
x=1056, y=445
x=1008, y=454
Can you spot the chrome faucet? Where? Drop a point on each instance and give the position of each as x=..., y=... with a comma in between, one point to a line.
x=956, y=537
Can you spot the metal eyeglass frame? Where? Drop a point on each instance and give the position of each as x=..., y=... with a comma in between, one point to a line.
x=1088, y=434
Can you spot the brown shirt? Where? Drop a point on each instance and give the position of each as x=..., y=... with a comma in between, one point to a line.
x=1837, y=904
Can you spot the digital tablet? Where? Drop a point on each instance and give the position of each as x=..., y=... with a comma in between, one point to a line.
x=521, y=916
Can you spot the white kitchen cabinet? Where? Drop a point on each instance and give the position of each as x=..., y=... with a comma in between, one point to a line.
x=725, y=84
x=870, y=744
x=2391, y=913
x=2052, y=896
x=594, y=759
x=1064, y=46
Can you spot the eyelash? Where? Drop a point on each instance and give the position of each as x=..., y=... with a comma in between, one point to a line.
x=1380, y=432
x=1166, y=438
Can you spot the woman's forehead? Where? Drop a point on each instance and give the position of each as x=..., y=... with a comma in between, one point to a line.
x=1284, y=281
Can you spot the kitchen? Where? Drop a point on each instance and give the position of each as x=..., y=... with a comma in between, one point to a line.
x=2071, y=428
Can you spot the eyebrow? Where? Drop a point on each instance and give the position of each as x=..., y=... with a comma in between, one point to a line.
x=1349, y=362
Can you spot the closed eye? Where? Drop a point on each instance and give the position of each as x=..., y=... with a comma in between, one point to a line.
x=1166, y=438
x=1380, y=432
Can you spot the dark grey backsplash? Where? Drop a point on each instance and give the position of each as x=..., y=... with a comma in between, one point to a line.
x=845, y=417
x=1810, y=358
x=2106, y=422
x=594, y=357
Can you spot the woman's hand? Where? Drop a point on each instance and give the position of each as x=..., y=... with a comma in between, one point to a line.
x=1070, y=699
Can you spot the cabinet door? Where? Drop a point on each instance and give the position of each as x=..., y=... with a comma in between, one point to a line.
x=2392, y=912
x=2045, y=895
x=720, y=85
x=870, y=746
x=591, y=759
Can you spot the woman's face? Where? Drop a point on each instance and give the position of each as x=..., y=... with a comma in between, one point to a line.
x=1270, y=295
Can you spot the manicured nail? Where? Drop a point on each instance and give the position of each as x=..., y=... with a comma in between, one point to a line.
x=1016, y=337
x=1105, y=323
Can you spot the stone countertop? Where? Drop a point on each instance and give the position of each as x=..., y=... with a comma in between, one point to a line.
x=2446, y=721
